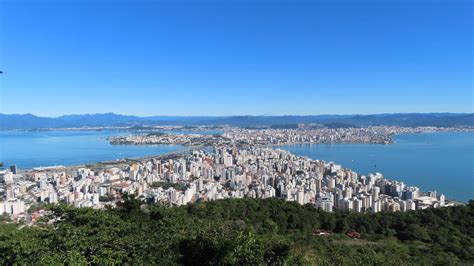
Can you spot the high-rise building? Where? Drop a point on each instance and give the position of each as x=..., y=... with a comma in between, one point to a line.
x=228, y=160
x=442, y=199
x=324, y=201
x=375, y=192
x=300, y=196
x=13, y=169
x=394, y=207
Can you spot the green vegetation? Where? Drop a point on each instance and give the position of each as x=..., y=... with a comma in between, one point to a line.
x=36, y=207
x=166, y=185
x=241, y=231
x=158, y=134
x=4, y=217
x=339, y=125
x=284, y=126
x=106, y=198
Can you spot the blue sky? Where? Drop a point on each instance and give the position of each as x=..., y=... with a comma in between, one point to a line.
x=235, y=57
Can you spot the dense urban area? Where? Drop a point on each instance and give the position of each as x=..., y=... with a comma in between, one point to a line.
x=243, y=163
x=231, y=198
x=202, y=176
x=311, y=133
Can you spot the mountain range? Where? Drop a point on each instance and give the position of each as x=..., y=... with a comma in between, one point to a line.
x=29, y=121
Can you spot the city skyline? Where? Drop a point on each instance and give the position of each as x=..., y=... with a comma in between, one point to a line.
x=236, y=58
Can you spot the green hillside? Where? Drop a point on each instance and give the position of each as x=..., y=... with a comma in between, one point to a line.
x=241, y=231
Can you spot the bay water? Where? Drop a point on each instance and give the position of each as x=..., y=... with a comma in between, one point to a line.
x=432, y=161
x=442, y=161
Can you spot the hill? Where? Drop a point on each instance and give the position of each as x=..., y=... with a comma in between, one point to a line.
x=29, y=121
x=242, y=231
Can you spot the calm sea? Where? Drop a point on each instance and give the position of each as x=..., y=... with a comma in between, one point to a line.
x=28, y=149
x=440, y=161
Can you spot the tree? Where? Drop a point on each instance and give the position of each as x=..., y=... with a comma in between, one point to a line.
x=414, y=232
x=4, y=217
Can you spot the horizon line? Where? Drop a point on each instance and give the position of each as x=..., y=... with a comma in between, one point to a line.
x=240, y=115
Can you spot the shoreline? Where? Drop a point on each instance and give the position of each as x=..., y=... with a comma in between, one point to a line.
x=190, y=147
x=181, y=154
x=184, y=149
x=138, y=174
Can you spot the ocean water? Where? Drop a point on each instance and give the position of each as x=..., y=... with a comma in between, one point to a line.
x=29, y=149
x=441, y=161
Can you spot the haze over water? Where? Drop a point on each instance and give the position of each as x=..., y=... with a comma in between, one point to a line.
x=439, y=161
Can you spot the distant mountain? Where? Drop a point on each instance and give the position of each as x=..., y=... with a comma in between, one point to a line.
x=97, y=119
x=410, y=120
x=29, y=121
x=25, y=121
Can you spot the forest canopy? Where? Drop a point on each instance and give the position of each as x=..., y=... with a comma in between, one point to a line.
x=240, y=231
